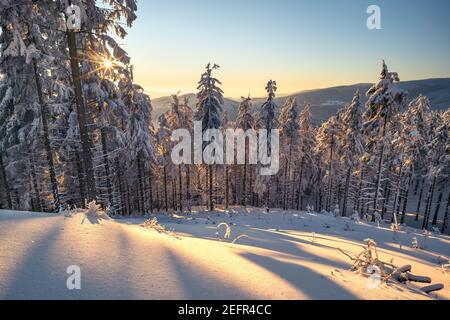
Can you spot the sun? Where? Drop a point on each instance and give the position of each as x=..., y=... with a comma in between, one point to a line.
x=108, y=64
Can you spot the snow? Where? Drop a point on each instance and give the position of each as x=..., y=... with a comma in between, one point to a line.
x=287, y=255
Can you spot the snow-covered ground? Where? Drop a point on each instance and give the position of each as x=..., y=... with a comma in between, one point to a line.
x=287, y=255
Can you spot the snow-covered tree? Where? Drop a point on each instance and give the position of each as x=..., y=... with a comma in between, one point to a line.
x=328, y=142
x=352, y=144
x=209, y=112
x=385, y=101
x=289, y=132
x=245, y=121
x=307, y=143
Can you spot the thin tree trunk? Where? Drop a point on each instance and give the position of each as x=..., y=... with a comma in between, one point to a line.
x=397, y=196
x=48, y=148
x=419, y=205
x=141, y=186
x=188, y=187
x=438, y=208
x=227, y=187
x=445, y=223
x=80, y=179
x=174, y=194
x=330, y=178
x=39, y=203
x=286, y=177
x=181, y=187
x=405, y=202
x=150, y=187
x=347, y=186
x=300, y=185
x=166, y=201
x=5, y=182
x=380, y=171
x=211, y=202
x=107, y=169
x=81, y=112
x=426, y=219
x=122, y=207
x=251, y=193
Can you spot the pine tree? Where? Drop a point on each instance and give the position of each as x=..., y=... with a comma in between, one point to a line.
x=267, y=121
x=352, y=142
x=245, y=121
x=289, y=131
x=209, y=112
x=385, y=101
x=328, y=142
x=307, y=143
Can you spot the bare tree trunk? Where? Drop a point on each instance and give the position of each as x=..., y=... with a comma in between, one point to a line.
x=48, y=148
x=107, y=169
x=227, y=188
x=397, y=199
x=81, y=112
x=438, y=208
x=445, y=223
x=286, y=177
x=39, y=203
x=180, y=170
x=244, y=182
x=141, y=186
x=300, y=185
x=419, y=205
x=5, y=182
x=330, y=178
x=211, y=202
x=80, y=180
x=122, y=206
x=166, y=201
x=174, y=194
x=426, y=220
x=188, y=187
x=150, y=187
x=347, y=186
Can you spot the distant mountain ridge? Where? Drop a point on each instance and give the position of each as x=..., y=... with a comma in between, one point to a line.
x=326, y=102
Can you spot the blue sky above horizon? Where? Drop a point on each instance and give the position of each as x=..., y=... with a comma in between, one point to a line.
x=301, y=44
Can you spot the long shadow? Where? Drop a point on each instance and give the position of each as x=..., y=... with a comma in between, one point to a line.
x=304, y=279
x=33, y=278
x=286, y=244
x=42, y=274
x=201, y=286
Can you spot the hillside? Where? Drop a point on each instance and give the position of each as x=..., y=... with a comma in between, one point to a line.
x=326, y=102
x=286, y=255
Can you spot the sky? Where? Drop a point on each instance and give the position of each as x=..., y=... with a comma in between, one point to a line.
x=301, y=44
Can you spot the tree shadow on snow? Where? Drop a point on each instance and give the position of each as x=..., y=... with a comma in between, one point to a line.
x=201, y=285
x=304, y=279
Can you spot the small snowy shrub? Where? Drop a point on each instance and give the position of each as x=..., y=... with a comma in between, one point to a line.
x=95, y=211
x=355, y=217
x=415, y=243
x=153, y=224
x=336, y=211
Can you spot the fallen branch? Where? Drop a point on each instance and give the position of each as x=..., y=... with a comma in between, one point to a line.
x=432, y=288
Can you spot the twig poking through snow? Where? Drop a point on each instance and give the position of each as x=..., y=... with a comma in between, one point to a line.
x=227, y=234
x=242, y=236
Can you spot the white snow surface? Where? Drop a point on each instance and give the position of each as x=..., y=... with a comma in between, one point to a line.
x=287, y=255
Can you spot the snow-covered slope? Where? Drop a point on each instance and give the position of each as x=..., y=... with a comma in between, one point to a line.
x=288, y=255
